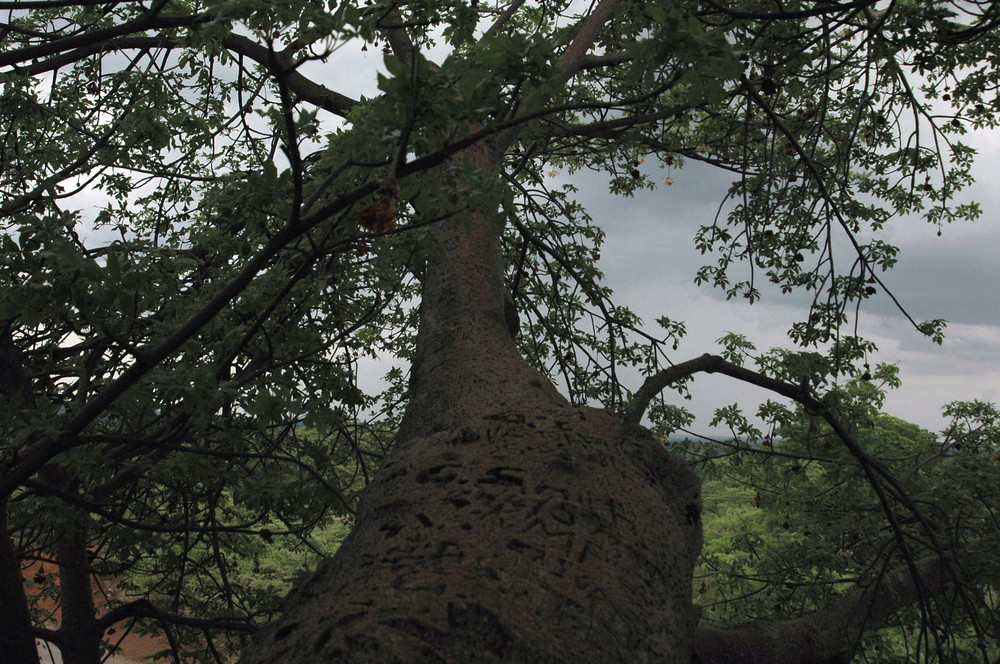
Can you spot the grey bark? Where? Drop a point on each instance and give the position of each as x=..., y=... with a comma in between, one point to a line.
x=506, y=525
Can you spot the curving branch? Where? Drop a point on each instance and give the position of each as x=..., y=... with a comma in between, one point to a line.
x=709, y=363
x=829, y=635
x=97, y=37
x=920, y=583
x=304, y=88
x=822, y=9
x=878, y=475
x=146, y=609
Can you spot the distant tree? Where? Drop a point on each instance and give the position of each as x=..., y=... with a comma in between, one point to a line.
x=202, y=239
x=792, y=528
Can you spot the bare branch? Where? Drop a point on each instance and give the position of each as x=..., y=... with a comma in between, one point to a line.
x=821, y=9
x=97, y=37
x=503, y=19
x=711, y=364
x=399, y=40
x=145, y=609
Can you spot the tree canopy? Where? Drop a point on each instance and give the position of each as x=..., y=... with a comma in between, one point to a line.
x=213, y=210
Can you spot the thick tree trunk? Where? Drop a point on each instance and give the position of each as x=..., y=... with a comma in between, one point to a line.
x=17, y=644
x=466, y=363
x=542, y=534
x=80, y=643
x=506, y=525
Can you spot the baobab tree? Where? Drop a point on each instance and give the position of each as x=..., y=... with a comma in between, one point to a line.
x=256, y=231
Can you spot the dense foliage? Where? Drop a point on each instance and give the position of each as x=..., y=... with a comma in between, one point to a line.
x=791, y=524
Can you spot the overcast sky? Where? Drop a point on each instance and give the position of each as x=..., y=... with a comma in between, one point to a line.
x=650, y=262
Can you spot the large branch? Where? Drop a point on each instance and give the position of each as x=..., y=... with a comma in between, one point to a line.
x=53, y=4
x=304, y=88
x=800, y=393
x=830, y=635
x=822, y=9
x=711, y=364
x=575, y=55
x=396, y=35
x=915, y=580
x=878, y=475
x=572, y=61
x=97, y=37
